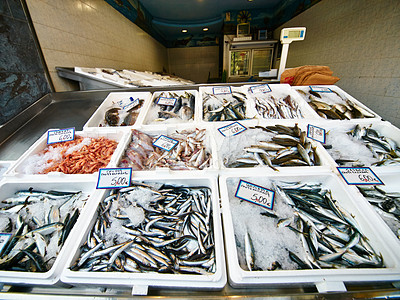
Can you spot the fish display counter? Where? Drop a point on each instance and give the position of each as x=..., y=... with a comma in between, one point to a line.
x=331, y=102
x=222, y=201
x=120, y=109
x=306, y=229
x=38, y=219
x=278, y=101
x=169, y=107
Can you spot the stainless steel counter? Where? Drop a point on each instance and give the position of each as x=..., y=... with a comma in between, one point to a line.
x=73, y=109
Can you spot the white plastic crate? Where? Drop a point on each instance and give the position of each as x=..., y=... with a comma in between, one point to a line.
x=139, y=282
x=333, y=98
x=279, y=92
x=346, y=147
x=390, y=178
x=232, y=147
x=325, y=280
x=7, y=189
x=98, y=118
x=116, y=134
x=153, y=109
x=228, y=92
x=168, y=130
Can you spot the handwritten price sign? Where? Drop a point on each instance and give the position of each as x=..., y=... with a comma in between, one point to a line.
x=232, y=129
x=263, y=88
x=60, y=135
x=320, y=89
x=114, y=178
x=222, y=90
x=359, y=176
x=255, y=194
x=316, y=133
x=127, y=104
x=166, y=101
x=165, y=143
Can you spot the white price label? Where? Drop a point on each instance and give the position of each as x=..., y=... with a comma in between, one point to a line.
x=60, y=135
x=114, y=178
x=4, y=238
x=359, y=176
x=127, y=104
x=255, y=194
x=165, y=143
x=166, y=101
x=232, y=129
x=316, y=133
x=222, y=90
x=320, y=89
x=263, y=88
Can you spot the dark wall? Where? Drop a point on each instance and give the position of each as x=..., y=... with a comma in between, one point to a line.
x=22, y=76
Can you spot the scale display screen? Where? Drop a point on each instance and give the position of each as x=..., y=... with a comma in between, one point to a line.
x=294, y=34
x=289, y=35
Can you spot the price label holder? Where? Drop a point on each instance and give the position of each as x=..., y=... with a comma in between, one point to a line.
x=4, y=238
x=316, y=133
x=359, y=176
x=129, y=103
x=166, y=101
x=232, y=129
x=263, y=88
x=165, y=143
x=222, y=90
x=114, y=178
x=255, y=194
x=320, y=89
x=60, y=135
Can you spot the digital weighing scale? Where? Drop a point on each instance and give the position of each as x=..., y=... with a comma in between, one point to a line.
x=289, y=35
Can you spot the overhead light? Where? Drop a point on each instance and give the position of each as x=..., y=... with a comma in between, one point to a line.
x=184, y=30
x=205, y=29
x=249, y=0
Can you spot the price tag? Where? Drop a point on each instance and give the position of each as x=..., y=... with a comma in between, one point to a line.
x=263, y=88
x=316, y=133
x=222, y=90
x=359, y=176
x=60, y=135
x=255, y=194
x=4, y=238
x=165, y=143
x=320, y=89
x=166, y=101
x=232, y=129
x=114, y=178
x=127, y=104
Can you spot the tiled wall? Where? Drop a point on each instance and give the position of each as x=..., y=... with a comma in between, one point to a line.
x=194, y=63
x=90, y=33
x=22, y=78
x=360, y=42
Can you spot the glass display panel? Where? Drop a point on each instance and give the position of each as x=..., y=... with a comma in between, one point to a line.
x=240, y=63
x=262, y=59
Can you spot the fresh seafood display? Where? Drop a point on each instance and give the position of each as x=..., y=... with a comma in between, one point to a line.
x=307, y=229
x=191, y=152
x=83, y=155
x=271, y=146
x=270, y=107
x=124, y=113
x=224, y=107
x=386, y=203
x=334, y=105
x=143, y=228
x=172, y=107
x=362, y=146
x=38, y=223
